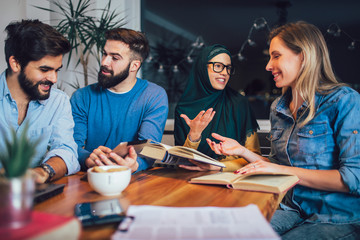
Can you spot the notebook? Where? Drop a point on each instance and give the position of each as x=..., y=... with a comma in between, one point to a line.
x=46, y=191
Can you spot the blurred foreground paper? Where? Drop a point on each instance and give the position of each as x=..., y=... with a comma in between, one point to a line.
x=155, y=222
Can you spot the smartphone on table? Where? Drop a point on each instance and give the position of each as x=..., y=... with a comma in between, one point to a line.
x=100, y=212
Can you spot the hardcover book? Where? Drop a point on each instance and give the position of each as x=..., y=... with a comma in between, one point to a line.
x=45, y=226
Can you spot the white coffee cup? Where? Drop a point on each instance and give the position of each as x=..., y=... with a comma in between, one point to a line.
x=109, y=183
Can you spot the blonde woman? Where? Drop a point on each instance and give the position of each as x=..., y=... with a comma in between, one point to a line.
x=315, y=134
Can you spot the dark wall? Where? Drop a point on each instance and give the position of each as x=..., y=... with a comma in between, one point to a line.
x=229, y=23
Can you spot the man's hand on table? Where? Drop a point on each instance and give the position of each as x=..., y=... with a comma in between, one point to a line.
x=102, y=156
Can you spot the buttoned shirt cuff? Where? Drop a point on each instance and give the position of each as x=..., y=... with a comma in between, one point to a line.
x=70, y=159
x=350, y=180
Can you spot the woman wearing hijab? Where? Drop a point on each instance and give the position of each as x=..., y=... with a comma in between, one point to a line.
x=228, y=113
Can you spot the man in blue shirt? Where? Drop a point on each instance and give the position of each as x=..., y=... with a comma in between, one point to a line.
x=120, y=107
x=34, y=53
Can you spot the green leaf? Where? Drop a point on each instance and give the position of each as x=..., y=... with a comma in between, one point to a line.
x=84, y=32
x=19, y=153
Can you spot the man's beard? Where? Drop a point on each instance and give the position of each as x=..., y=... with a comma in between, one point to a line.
x=111, y=81
x=31, y=89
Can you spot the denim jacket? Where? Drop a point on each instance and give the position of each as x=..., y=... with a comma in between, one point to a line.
x=331, y=140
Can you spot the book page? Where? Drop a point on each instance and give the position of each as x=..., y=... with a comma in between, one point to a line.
x=167, y=147
x=193, y=154
x=190, y=151
x=155, y=222
x=266, y=183
x=175, y=160
x=260, y=181
x=158, y=151
x=154, y=152
x=217, y=178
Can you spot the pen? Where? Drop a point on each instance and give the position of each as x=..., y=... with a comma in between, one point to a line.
x=125, y=224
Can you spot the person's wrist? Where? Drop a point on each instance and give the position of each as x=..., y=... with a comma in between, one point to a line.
x=40, y=175
x=194, y=137
x=242, y=152
x=50, y=173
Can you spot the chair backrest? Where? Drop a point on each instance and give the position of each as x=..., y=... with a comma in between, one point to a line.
x=264, y=125
x=168, y=136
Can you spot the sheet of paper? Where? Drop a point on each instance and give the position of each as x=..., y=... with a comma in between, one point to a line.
x=156, y=222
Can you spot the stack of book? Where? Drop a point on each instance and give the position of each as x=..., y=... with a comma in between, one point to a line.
x=45, y=226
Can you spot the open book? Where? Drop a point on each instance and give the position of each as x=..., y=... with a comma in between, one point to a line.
x=263, y=182
x=165, y=154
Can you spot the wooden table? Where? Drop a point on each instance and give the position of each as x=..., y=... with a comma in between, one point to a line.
x=158, y=186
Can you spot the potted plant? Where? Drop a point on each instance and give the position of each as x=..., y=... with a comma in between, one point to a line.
x=84, y=31
x=16, y=183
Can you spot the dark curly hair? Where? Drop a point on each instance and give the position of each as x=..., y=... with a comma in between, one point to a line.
x=137, y=41
x=31, y=40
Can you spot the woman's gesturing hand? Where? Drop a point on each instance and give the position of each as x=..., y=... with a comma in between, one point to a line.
x=227, y=146
x=199, y=123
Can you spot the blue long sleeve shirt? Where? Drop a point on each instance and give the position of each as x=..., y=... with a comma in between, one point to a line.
x=49, y=120
x=105, y=118
x=331, y=140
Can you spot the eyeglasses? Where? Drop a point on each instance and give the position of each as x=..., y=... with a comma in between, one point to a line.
x=219, y=67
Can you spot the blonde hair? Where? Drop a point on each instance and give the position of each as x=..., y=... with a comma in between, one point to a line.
x=316, y=73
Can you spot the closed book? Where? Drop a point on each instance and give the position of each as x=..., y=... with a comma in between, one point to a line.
x=260, y=181
x=45, y=226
